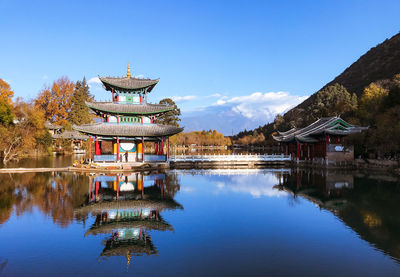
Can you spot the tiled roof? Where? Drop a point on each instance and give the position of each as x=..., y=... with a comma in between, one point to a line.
x=70, y=135
x=99, y=207
x=148, y=224
x=116, y=108
x=326, y=125
x=127, y=83
x=128, y=130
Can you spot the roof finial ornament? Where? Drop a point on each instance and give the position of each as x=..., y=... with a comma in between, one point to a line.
x=128, y=74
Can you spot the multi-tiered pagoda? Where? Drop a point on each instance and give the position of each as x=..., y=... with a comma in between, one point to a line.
x=128, y=121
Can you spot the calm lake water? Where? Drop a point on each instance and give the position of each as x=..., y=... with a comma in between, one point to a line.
x=272, y=222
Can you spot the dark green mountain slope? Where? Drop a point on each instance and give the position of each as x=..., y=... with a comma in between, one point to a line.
x=379, y=65
x=380, y=62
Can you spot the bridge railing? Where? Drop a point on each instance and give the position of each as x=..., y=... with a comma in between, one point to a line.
x=232, y=158
x=155, y=158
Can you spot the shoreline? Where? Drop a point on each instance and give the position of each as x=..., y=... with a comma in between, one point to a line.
x=157, y=167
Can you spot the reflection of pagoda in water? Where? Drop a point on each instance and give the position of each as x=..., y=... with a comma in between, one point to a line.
x=126, y=209
x=365, y=204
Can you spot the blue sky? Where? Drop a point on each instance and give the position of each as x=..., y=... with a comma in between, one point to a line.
x=245, y=60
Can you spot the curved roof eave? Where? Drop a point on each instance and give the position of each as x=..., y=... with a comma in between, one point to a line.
x=93, y=106
x=107, y=82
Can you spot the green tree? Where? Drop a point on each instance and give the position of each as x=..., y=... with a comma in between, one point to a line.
x=170, y=117
x=79, y=111
x=331, y=101
x=6, y=113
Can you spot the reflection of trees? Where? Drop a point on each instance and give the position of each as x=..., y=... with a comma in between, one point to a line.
x=172, y=184
x=368, y=206
x=7, y=197
x=53, y=194
x=372, y=211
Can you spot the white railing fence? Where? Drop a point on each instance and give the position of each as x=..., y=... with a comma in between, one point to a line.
x=231, y=158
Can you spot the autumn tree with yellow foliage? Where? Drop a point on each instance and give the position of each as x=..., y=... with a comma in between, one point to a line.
x=21, y=127
x=371, y=102
x=56, y=101
x=6, y=94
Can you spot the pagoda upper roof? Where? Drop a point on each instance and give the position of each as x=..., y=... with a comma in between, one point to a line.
x=127, y=83
x=128, y=130
x=326, y=125
x=128, y=109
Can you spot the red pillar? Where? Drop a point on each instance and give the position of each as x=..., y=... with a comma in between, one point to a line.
x=168, y=148
x=97, y=190
x=90, y=147
x=162, y=146
x=117, y=119
x=298, y=150
x=117, y=149
x=97, y=149
x=112, y=95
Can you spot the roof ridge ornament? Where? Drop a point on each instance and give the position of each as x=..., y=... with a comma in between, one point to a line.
x=128, y=73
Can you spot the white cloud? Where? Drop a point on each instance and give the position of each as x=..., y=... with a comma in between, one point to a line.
x=260, y=105
x=256, y=185
x=94, y=80
x=230, y=115
x=214, y=95
x=183, y=98
x=45, y=77
x=140, y=76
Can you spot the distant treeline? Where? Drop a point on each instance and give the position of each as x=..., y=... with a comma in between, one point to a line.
x=201, y=138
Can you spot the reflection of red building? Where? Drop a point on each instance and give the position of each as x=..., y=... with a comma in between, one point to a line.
x=322, y=141
x=325, y=190
x=128, y=208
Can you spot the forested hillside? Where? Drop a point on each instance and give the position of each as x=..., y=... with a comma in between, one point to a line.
x=366, y=93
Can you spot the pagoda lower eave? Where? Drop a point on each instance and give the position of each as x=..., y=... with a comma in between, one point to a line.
x=128, y=109
x=128, y=130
